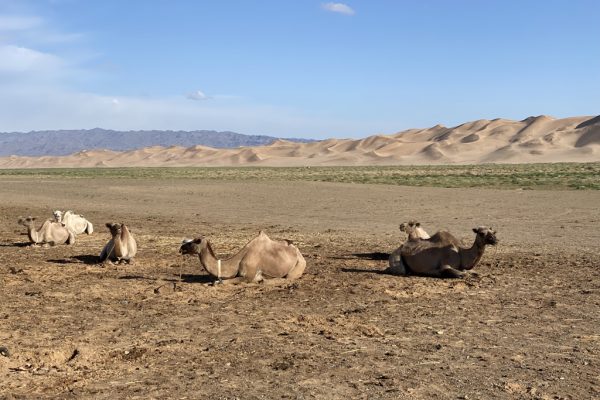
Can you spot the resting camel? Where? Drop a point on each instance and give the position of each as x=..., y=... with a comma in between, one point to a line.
x=413, y=230
x=122, y=245
x=50, y=233
x=74, y=222
x=445, y=256
x=260, y=259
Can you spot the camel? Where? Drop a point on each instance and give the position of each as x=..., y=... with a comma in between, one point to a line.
x=121, y=247
x=259, y=260
x=413, y=230
x=74, y=222
x=445, y=256
x=50, y=233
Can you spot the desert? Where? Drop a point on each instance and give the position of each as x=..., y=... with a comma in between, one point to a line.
x=540, y=139
x=314, y=199
x=522, y=324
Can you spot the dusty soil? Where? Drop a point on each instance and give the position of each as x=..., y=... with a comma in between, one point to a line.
x=525, y=324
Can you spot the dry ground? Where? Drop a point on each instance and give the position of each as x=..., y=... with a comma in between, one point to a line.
x=525, y=324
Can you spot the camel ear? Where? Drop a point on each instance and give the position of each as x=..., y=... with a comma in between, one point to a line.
x=418, y=224
x=475, y=230
x=108, y=225
x=197, y=240
x=33, y=218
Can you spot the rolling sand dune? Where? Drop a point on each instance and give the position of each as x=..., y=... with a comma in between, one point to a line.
x=532, y=140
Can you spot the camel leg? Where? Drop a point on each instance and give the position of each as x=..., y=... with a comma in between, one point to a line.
x=232, y=281
x=71, y=239
x=297, y=270
x=448, y=272
x=396, y=266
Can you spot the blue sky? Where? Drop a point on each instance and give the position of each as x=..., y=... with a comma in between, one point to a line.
x=295, y=68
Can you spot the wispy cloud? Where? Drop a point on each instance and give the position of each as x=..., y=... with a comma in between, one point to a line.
x=44, y=87
x=339, y=8
x=197, y=95
x=18, y=23
x=33, y=30
x=17, y=59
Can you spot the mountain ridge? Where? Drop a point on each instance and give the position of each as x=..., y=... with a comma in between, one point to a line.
x=69, y=141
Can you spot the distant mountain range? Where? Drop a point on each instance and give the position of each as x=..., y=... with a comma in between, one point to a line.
x=540, y=139
x=63, y=142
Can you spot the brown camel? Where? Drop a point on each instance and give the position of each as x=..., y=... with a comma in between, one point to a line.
x=122, y=245
x=445, y=257
x=50, y=233
x=260, y=259
x=415, y=232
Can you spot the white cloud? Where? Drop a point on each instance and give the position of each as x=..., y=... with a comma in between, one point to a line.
x=197, y=95
x=18, y=23
x=339, y=8
x=33, y=30
x=39, y=90
x=16, y=59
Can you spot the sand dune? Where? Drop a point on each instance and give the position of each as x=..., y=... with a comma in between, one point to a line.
x=532, y=140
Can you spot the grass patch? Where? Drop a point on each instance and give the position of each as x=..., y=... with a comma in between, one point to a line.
x=565, y=176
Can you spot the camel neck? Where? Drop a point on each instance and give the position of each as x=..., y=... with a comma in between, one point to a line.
x=117, y=245
x=33, y=234
x=471, y=256
x=216, y=267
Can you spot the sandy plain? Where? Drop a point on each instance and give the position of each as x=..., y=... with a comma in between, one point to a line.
x=524, y=324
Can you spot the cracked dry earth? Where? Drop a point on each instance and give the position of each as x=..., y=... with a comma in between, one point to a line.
x=525, y=324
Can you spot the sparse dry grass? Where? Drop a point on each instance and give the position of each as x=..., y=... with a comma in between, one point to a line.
x=508, y=176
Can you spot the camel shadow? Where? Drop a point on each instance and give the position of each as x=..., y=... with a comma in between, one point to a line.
x=19, y=244
x=376, y=256
x=186, y=278
x=365, y=271
x=88, y=259
x=189, y=278
x=82, y=259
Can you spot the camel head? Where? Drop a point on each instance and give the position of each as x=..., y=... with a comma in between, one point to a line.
x=485, y=235
x=409, y=226
x=191, y=246
x=28, y=222
x=115, y=229
x=414, y=230
x=58, y=215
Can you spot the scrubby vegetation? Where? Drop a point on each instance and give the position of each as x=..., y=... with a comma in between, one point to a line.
x=500, y=176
